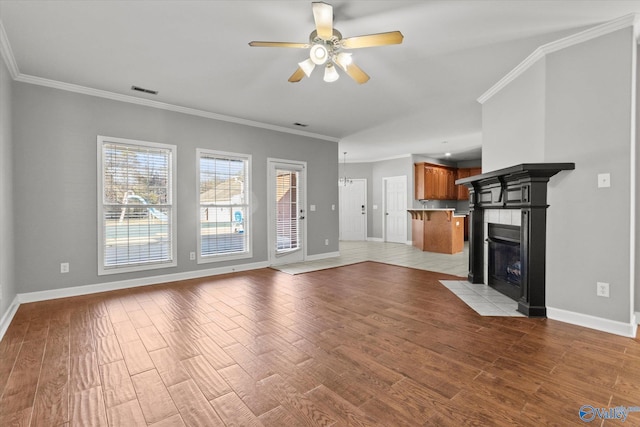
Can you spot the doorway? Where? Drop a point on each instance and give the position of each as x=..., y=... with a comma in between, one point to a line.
x=287, y=226
x=353, y=210
x=394, y=208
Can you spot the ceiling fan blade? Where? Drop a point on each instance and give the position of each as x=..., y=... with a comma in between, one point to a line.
x=323, y=15
x=297, y=75
x=279, y=44
x=371, y=40
x=355, y=72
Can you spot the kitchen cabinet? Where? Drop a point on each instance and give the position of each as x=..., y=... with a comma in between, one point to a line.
x=437, y=230
x=434, y=182
x=462, y=192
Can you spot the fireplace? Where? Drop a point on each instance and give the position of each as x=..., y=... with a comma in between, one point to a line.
x=505, y=267
x=518, y=260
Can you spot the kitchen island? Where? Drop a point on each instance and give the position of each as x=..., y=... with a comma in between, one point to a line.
x=437, y=230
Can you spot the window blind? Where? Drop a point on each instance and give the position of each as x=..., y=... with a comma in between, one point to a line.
x=224, y=205
x=137, y=204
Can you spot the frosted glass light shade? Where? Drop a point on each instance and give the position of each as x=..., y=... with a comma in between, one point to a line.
x=318, y=54
x=344, y=59
x=330, y=73
x=307, y=66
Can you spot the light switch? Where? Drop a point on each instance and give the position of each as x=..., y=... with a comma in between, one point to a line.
x=604, y=180
x=312, y=208
x=375, y=207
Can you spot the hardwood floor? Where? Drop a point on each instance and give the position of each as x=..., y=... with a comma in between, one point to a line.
x=364, y=344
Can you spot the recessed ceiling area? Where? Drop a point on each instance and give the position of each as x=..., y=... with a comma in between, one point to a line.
x=196, y=55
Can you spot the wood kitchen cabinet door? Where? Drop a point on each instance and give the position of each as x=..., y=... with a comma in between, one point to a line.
x=462, y=191
x=450, y=189
x=434, y=182
x=431, y=183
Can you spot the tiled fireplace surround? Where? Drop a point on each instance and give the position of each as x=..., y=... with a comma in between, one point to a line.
x=513, y=196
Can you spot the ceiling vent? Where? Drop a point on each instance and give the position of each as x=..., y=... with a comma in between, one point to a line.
x=141, y=89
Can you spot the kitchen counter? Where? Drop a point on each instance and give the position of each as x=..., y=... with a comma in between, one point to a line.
x=437, y=230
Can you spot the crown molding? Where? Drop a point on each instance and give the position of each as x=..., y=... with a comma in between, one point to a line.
x=608, y=27
x=7, y=53
x=24, y=78
x=377, y=159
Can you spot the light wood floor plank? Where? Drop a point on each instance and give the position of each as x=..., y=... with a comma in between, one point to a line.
x=116, y=383
x=126, y=414
x=154, y=399
x=234, y=412
x=194, y=409
x=87, y=408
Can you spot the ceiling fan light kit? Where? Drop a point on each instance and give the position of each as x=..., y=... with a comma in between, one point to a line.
x=326, y=45
x=318, y=54
x=307, y=66
x=330, y=73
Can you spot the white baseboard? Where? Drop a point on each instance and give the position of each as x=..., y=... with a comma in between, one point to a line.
x=606, y=325
x=322, y=256
x=6, y=319
x=132, y=283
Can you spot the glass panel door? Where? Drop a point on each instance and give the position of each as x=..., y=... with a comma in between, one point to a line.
x=287, y=212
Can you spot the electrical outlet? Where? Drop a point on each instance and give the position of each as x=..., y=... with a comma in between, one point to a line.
x=64, y=267
x=604, y=180
x=192, y=256
x=602, y=289
x=326, y=242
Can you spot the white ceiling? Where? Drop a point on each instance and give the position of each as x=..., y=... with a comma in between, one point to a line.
x=195, y=53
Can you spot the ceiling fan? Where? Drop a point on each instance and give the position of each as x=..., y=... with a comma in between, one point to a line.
x=326, y=47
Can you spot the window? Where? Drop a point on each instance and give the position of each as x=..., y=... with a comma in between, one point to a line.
x=287, y=218
x=224, y=206
x=136, y=212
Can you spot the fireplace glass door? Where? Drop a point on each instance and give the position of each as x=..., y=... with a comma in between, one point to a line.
x=504, y=260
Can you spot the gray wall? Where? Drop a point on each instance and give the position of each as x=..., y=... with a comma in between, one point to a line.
x=513, y=122
x=7, y=277
x=589, y=121
x=586, y=94
x=55, y=175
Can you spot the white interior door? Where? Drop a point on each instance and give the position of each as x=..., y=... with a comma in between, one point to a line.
x=395, y=209
x=353, y=210
x=287, y=211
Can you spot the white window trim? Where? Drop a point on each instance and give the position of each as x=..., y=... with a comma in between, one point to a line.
x=102, y=270
x=249, y=216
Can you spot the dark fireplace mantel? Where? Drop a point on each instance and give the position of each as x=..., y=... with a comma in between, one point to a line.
x=521, y=187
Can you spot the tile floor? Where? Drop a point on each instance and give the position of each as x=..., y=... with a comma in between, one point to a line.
x=484, y=300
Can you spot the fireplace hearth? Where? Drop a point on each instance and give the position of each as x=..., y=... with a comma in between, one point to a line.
x=520, y=272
